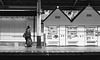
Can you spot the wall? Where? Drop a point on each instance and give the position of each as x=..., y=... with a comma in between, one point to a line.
x=12, y=28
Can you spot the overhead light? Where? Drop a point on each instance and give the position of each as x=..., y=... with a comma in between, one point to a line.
x=22, y=7
x=14, y=10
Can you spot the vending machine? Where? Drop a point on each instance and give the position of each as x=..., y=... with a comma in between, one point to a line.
x=71, y=35
x=62, y=36
x=52, y=35
x=91, y=36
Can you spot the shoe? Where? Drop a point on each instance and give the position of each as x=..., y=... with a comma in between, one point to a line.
x=29, y=45
x=25, y=45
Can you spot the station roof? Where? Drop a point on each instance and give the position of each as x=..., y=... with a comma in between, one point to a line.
x=49, y=4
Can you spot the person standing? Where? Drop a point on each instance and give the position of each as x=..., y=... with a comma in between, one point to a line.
x=27, y=36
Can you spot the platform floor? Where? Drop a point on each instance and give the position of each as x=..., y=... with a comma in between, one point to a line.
x=21, y=50
x=48, y=49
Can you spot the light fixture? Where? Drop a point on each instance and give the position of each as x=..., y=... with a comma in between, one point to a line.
x=14, y=10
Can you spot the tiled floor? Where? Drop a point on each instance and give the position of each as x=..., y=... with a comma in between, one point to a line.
x=48, y=49
x=21, y=50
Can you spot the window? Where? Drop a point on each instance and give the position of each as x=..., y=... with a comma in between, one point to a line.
x=89, y=15
x=57, y=17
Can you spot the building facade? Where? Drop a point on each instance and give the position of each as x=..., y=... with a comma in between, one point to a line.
x=84, y=30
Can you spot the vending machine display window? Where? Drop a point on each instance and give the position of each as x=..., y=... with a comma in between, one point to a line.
x=90, y=32
x=71, y=32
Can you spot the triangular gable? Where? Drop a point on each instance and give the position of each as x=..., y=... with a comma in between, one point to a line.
x=45, y=14
x=57, y=17
x=72, y=14
x=87, y=17
x=95, y=8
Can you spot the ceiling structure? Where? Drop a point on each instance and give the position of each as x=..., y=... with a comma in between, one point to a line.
x=48, y=4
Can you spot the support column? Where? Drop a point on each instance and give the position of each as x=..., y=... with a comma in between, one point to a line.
x=39, y=24
x=34, y=24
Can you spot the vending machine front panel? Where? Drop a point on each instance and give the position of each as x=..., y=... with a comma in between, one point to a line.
x=52, y=36
x=71, y=35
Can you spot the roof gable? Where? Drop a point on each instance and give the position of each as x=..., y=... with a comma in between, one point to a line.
x=87, y=17
x=72, y=14
x=57, y=17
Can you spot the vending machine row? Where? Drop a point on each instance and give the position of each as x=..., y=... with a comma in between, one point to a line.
x=72, y=35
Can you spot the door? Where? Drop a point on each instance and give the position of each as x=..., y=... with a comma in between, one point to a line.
x=62, y=36
x=98, y=35
x=81, y=35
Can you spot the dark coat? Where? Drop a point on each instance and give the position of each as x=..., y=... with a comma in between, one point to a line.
x=27, y=34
